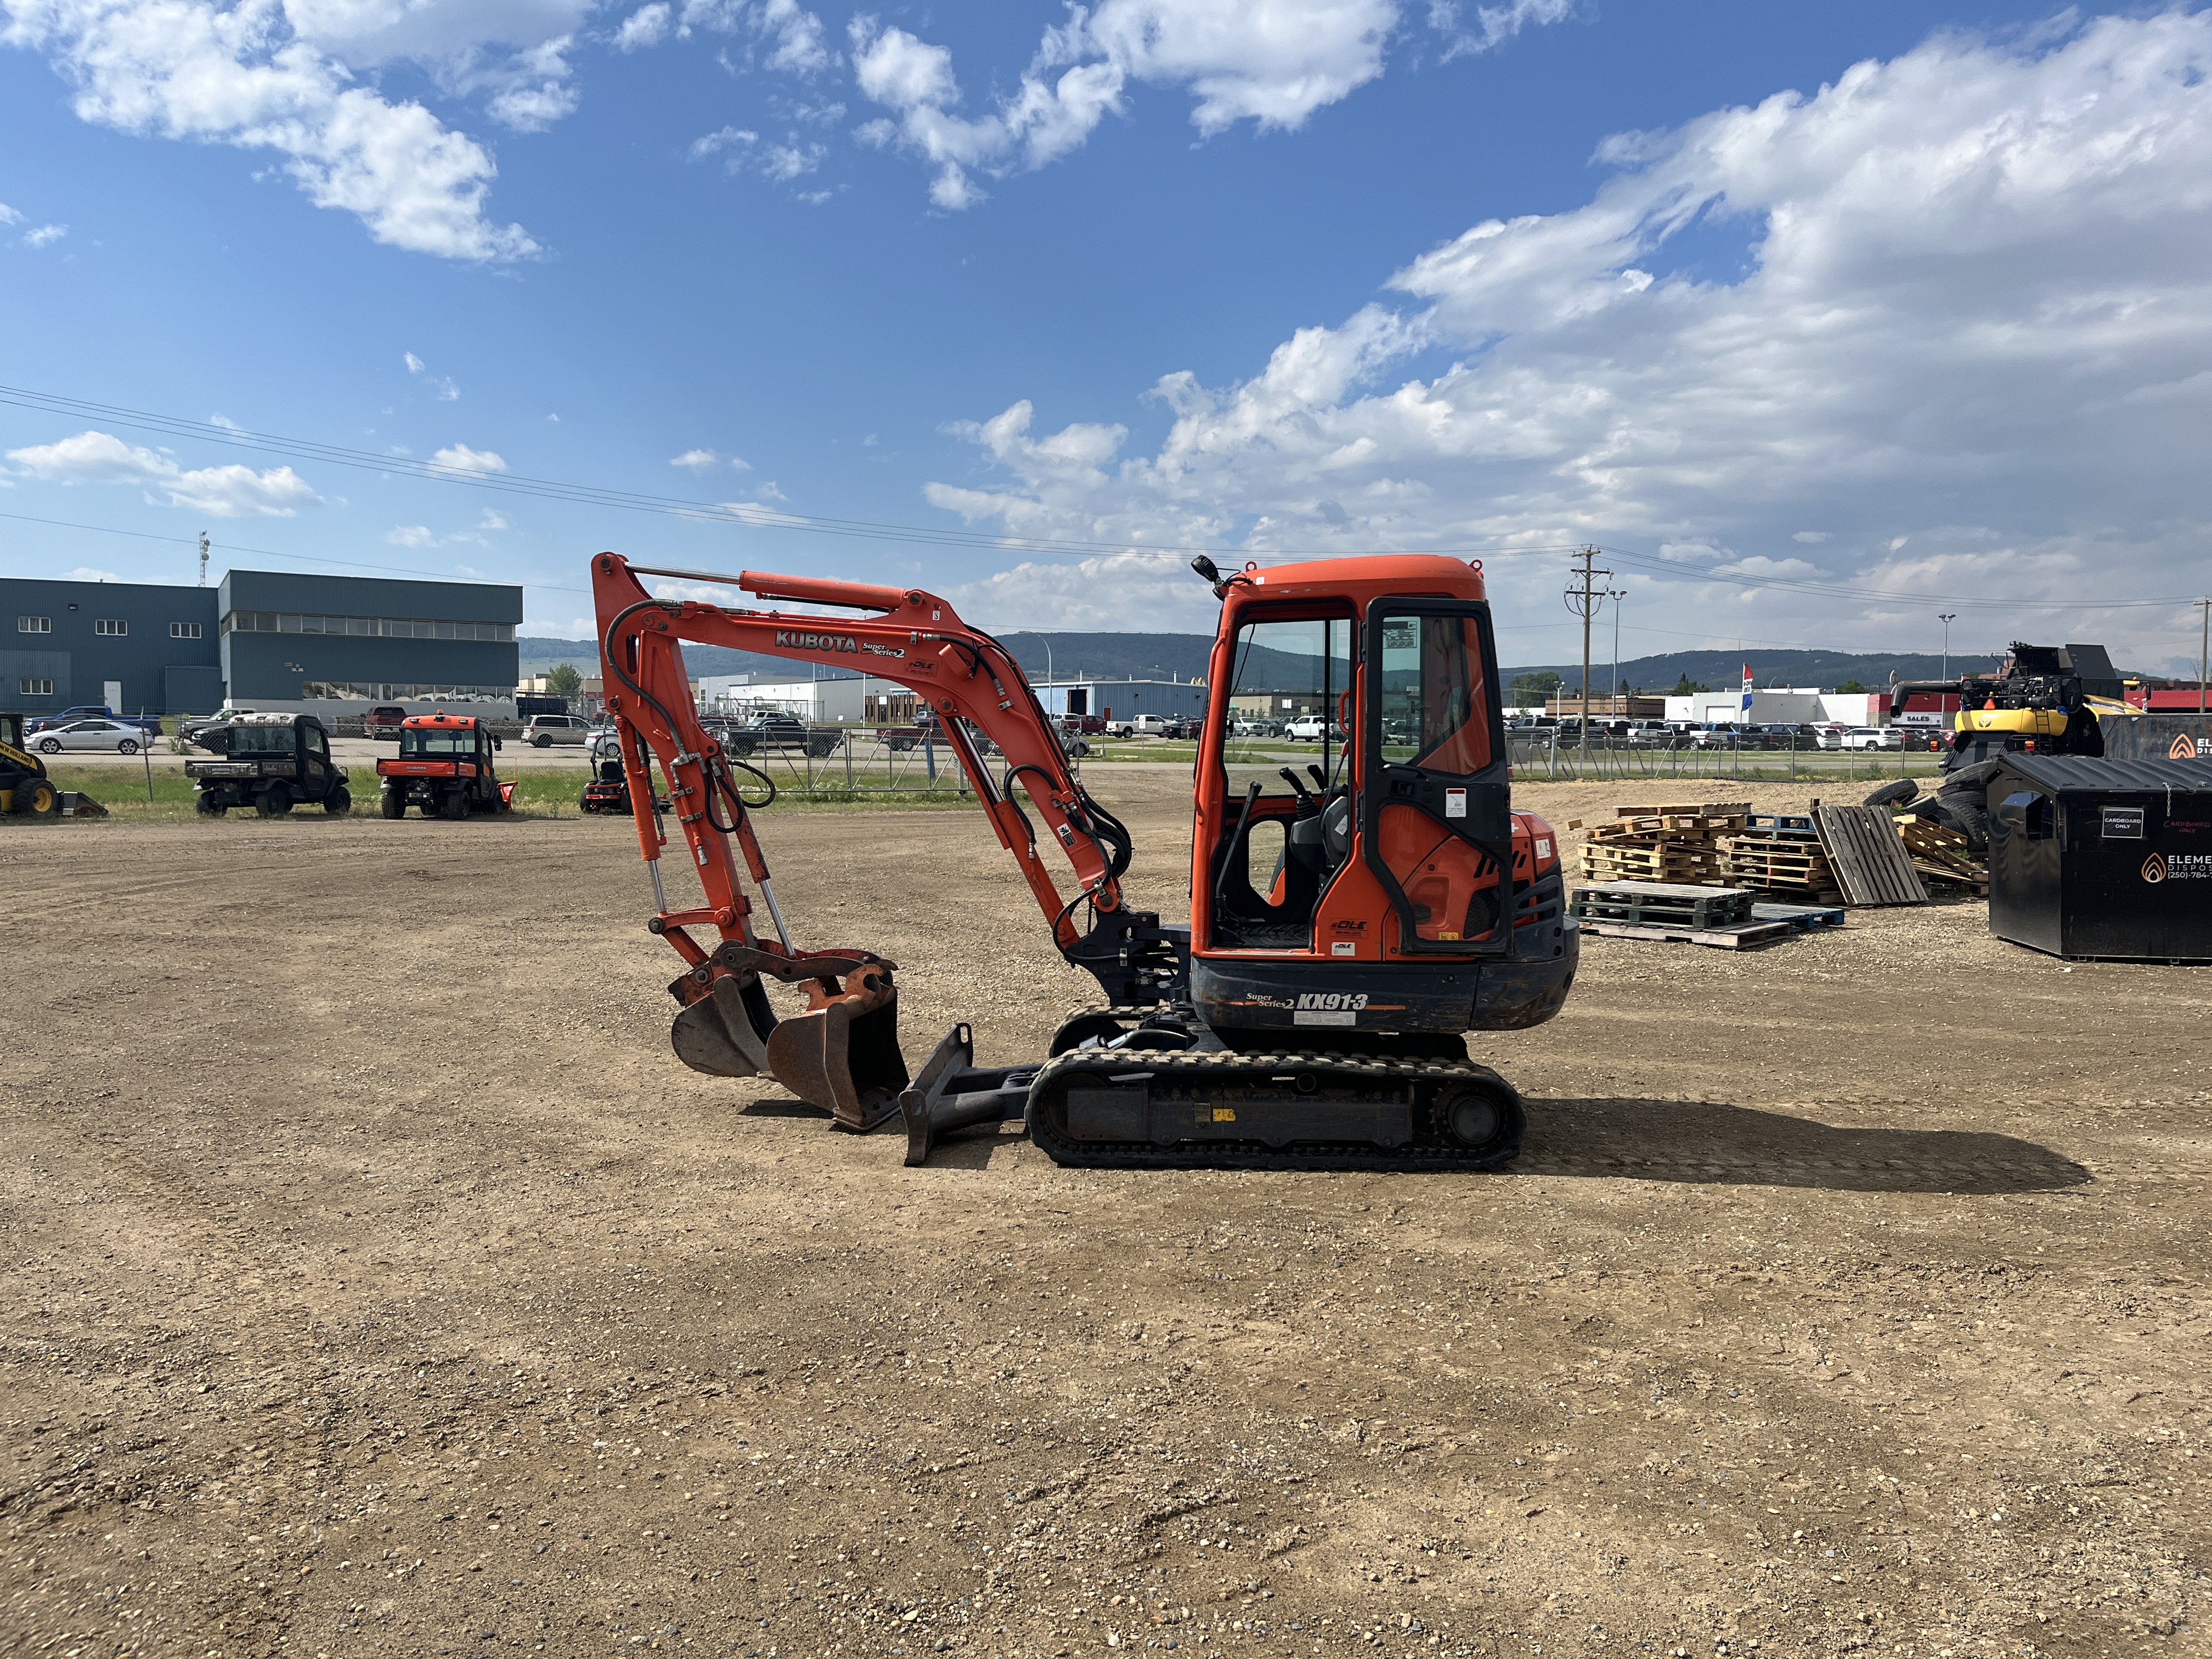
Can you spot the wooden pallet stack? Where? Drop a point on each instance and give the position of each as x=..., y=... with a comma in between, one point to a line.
x=1870, y=862
x=1724, y=916
x=1943, y=854
x=1778, y=853
x=1674, y=841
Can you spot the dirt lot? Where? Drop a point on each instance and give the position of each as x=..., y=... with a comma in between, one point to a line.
x=375, y=1281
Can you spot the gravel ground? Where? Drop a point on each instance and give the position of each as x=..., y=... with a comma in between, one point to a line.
x=373, y=1280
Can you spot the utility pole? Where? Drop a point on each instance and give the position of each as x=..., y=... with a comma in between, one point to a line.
x=1584, y=598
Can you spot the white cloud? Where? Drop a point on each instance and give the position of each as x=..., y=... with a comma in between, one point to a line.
x=727, y=139
x=492, y=520
x=1272, y=63
x=225, y=422
x=742, y=151
x=222, y=492
x=1491, y=26
x=1962, y=270
x=443, y=386
x=698, y=460
x=411, y=535
x=85, y=573
x=45, y=235
x=645, y=27
x=462, y=461
x=8, y=215
x=257, y=75
x=529, y=90
x=1810, y=537
x=783, y=35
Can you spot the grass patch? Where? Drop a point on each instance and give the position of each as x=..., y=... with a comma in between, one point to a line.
x=544, y=793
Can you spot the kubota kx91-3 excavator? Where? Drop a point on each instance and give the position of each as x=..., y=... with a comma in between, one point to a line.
x=1343, y=934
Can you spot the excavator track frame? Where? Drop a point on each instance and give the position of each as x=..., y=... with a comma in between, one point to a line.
x=1205, y=1083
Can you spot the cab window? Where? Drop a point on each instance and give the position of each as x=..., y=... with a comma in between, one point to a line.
x=1435, y=707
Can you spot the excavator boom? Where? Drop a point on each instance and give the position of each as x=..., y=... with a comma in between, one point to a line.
x=842, y=1053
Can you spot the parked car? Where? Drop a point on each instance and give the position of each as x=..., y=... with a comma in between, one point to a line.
x=1088, y=725
x=1311, y=728
x=148, y=724
x=543, y=730
x=90, y=734
x=384, y=720
x=1872, y=737
x=1255, y=726
x=211, y=732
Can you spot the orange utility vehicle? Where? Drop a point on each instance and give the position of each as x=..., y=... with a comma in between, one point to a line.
x=1345, y=931
x=444, y=766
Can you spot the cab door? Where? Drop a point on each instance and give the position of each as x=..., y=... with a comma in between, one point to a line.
x=1436, y=817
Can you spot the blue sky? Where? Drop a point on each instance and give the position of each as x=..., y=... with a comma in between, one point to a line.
x=1275, y=275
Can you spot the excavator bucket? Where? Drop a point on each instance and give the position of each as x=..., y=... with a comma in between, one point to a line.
x=719, y=1034
x=844, y=1055
x=841, y=1054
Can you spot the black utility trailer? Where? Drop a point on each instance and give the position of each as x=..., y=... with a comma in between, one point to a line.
x=2102, y=859
x=274, y=762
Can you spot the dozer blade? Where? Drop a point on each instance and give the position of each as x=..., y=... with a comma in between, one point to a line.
x=844, y=1056
x=715, y=1035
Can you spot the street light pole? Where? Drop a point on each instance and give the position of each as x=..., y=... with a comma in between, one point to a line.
x=1616, y=595
x=1946, y=618
x=2204, y=652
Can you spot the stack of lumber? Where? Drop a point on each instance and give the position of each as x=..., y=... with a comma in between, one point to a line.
x=1676, y=841
x=1670, y=910
x=1941, y=854
x=1780, y=853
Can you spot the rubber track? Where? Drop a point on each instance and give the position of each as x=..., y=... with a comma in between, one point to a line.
x=1249, y=1155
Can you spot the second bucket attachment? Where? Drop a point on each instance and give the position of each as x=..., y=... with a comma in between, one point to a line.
x=842, y=1053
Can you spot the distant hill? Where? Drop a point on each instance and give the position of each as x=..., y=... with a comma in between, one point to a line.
x=1184, y=657
x=1723, y=670
x=1093, y=656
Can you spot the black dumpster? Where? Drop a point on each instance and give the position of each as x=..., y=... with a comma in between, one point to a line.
x=2108, y=859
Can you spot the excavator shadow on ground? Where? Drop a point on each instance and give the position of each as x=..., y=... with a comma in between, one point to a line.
x=1705, y=1144
x=1708, y=1142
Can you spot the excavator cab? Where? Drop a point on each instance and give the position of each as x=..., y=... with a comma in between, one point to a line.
x=1386, y=885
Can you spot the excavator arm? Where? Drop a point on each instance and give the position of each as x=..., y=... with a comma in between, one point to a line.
x=842, y=1053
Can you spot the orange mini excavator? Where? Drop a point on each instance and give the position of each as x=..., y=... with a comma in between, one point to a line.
x=1345, y=931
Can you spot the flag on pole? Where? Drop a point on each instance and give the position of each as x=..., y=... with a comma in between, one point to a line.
x=1746, y=691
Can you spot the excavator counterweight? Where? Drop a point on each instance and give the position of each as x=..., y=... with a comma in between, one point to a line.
x=1343, y=936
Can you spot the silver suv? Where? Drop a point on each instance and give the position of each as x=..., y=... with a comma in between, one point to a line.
x=546, y=730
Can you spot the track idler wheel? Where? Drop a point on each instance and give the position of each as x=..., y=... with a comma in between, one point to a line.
x=1483, y=1115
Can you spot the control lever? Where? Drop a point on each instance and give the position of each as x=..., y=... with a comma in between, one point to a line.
x=1307, y=805
x=1320, y=777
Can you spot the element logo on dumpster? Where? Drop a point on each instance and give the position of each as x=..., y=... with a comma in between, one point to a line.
x=2185, y=747
x=2177, y=866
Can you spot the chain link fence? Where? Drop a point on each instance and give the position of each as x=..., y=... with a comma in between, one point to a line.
x=1542, y=756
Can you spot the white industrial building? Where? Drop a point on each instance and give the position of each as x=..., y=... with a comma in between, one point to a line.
x=818, y=702
x=1800, y=706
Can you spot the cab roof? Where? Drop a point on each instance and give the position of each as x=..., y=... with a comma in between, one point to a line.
x=438, y=723
x=274, y=720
